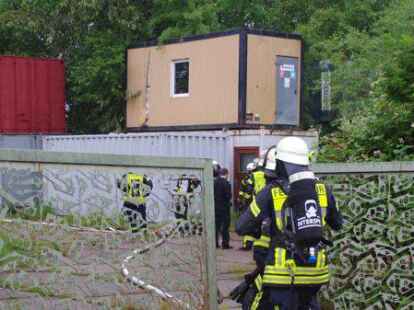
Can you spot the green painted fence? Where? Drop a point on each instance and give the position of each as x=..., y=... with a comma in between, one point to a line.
x=80, y=184
x=372, y=258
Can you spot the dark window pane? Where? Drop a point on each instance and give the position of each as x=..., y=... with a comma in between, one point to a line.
x=181, y=77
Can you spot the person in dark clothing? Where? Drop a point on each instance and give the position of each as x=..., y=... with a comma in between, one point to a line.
x=222, y=204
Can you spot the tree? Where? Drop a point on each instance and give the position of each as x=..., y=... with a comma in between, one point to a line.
x=377, y=110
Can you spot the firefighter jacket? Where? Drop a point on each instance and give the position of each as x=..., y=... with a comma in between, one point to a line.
x=251, y=185
x=281, y=267
x=135, y=188
x=259, y=182
x=246, y=191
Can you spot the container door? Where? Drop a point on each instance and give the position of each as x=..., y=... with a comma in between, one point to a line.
x=287, y=104
x=242, y=156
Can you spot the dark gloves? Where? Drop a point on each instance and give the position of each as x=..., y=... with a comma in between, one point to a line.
x=238, y=293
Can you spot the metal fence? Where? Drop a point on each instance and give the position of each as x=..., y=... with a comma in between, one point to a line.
x=372, y=257
x=61, y=259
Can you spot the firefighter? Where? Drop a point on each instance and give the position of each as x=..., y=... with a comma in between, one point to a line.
x=185, y=187
x=135, y=188
x=295, y=216
x=245, y=198
x=249, y=293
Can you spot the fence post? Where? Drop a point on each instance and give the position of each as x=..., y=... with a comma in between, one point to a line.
x=210, y=234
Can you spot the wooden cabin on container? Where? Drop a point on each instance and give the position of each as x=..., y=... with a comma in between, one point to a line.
x=237, y=79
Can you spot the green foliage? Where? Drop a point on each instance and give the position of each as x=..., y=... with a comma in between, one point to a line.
x=45, y=212
x=374, y=90
x=38, y=212
x=368, y=42
x=96, y=220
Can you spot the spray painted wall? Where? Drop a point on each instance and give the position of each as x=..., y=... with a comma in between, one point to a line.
x=87, y=189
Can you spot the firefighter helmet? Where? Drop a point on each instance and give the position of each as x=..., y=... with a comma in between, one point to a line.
x=293, y=150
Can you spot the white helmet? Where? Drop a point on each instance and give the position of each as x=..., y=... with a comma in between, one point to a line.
x=293, y=150
x=251, y=166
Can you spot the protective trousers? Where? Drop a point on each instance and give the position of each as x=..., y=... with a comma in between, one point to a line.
x=254, y=299
x=296, y=298
x=136, y=215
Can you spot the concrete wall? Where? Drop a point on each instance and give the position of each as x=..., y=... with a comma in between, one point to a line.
x=88, y=185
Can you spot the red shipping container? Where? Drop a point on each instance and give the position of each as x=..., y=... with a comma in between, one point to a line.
x=32, y=95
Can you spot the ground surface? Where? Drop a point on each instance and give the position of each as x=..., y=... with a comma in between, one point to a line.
x=66, y=269
x=232, y=265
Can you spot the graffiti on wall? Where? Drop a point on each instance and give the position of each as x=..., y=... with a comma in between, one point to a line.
x=373, y=254
x=87, y=189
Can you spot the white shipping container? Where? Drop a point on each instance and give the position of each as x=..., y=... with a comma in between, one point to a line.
x=217, y=145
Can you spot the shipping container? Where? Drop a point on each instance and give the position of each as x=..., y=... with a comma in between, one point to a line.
x=27, y=142
x=233, y=149
x=32, y=95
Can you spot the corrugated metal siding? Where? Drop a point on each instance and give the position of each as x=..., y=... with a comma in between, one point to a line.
x=164, y=144
x=21, y=141
x=32, y=95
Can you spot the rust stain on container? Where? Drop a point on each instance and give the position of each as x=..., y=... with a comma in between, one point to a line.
x=32, y=95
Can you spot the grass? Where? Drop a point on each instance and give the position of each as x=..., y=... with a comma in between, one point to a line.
x=241, y=269
x=41, y=212
x=28, y=252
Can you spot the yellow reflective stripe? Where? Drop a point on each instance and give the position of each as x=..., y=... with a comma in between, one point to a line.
x=323, y=200
x=276, y=259
x=323, y=216
x=299, y=271
x=279, y=222
x=279, y=198
x=263, y=242
x=323, y=258
x=256, y=301
x=247, y=239
x=244, y=195
x=254, y=208
x=283, y=262
x=323, y=197
x=321, y=190
x=259, y=181
x=319, y=259
x=258, y=281
x=286, y=280
x=281, y=254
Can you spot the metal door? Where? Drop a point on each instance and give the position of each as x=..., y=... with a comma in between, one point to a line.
x=242, y=156
x=287, y=105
